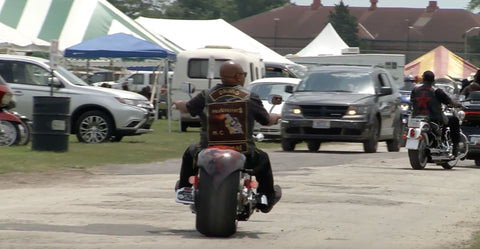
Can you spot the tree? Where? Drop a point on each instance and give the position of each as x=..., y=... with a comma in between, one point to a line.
x=136, y=8
x=230, y=10
x=345, y=24
x=246, y=8
x=202, y=9
x=473, y=4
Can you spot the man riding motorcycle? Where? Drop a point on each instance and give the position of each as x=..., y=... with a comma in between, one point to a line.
x=427, y=101
x=231, y=90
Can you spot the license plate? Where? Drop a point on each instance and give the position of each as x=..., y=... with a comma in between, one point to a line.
x=414, y=122
x=412, y=144
x=321, y=124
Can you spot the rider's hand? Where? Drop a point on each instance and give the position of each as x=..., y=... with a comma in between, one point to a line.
x=273, y=119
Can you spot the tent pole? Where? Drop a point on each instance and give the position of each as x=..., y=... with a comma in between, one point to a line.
x=154, y=96
x=169, y=95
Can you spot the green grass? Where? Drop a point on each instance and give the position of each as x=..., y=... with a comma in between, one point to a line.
x=153, y=147
x=475, y=242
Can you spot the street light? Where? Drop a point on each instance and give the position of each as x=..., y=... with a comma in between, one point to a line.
x=276, y=19
x=466, y=35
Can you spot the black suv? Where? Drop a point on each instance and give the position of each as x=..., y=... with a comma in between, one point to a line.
x=343, y=104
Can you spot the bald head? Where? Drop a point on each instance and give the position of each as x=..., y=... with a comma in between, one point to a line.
x=232, y=73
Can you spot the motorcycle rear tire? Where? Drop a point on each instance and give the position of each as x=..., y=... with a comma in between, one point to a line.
x=216, y=207
x=419, y=157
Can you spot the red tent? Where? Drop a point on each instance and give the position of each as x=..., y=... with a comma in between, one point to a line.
x=442, y=62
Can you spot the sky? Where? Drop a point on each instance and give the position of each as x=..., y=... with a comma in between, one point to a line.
x=443, y=4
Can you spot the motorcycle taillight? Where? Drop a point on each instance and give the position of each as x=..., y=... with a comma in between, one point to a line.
x=411, y=133
x=250, y=184
x=194, y=181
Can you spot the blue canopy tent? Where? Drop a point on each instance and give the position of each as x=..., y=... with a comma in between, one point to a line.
x=119, y=45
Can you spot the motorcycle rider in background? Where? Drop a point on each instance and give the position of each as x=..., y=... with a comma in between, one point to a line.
x=233, y=79
x=427, y=101
x=472, y=86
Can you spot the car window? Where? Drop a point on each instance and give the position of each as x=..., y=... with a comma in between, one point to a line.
x=198, y=68
x=137, y=79
x=24, y=73
x=265, y=90
x=342, y=81
x=72, y=78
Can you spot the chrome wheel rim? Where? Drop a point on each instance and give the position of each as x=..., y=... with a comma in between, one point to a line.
x=8, y=133
x=94, y=129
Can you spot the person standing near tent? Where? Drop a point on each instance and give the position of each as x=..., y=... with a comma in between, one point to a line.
x=233, y=78
x=427, y=101
x=473, y=86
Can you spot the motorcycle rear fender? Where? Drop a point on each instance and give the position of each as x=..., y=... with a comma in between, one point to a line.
x=413, y=137
x=7, y=116
x=220, y=163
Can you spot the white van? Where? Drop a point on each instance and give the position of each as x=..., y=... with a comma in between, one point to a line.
x=193, y=67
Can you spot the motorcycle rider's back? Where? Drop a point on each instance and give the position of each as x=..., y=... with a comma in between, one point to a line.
x=427, y=101
x=237, y=125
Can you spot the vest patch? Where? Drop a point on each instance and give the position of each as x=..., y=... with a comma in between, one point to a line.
x=227, y=124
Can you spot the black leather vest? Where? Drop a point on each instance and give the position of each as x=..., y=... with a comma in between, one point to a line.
x=227, y=118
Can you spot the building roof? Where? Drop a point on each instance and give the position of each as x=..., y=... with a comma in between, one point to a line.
x=390, y=24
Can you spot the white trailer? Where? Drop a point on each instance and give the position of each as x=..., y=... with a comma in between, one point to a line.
x=394, y=63
x=201, y=68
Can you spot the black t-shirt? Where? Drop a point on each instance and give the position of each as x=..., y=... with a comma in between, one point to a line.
x=428, y=101
x=256, y=111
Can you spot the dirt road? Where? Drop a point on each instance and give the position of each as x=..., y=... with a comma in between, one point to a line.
x=330, y=201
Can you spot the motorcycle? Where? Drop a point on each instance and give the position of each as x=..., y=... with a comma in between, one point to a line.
x=9, y=122
x=224, y=191
x=428, y=142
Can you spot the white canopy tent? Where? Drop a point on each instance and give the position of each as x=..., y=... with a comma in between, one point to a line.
x=328, y=42
x=194, y=34
x=11, y=39
x=73, y=21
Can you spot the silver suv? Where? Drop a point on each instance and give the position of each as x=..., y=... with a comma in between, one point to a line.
x=97, y=114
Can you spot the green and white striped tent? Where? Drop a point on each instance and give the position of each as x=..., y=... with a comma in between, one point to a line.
x=72, y=21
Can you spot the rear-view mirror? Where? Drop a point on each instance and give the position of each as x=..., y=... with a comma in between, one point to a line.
x=385, y=91
x=275, y=99
x=289, y=89
x=54, y=82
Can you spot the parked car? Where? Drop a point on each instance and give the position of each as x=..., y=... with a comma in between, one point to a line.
x=264, y=88
x=97, y=114
x=343, y=104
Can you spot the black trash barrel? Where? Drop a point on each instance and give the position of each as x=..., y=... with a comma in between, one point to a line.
x=51, y=123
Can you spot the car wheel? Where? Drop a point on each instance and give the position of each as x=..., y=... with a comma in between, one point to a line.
x=393, y=145
x=313, y=146
x=288, y=144
x=370, y=145
x=477, y=162
x=94, y=127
